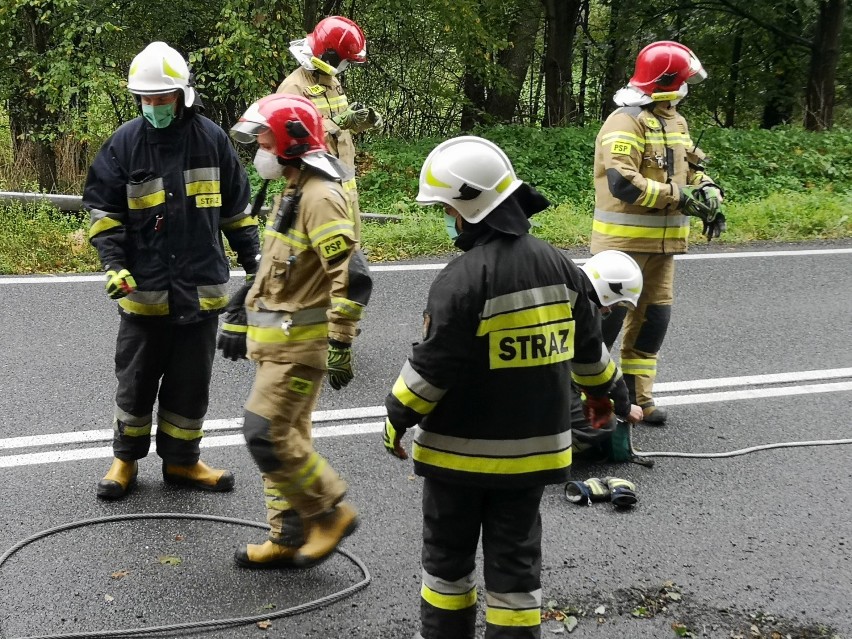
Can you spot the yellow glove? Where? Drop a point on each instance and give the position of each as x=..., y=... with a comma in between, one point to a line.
x=119, y=284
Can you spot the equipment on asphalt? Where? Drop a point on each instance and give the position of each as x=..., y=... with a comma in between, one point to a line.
x=194, y=625
x=119, y=479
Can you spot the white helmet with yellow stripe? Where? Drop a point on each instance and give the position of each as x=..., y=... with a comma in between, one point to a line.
x=159, y=69
x=616, y=278
x=468, y=173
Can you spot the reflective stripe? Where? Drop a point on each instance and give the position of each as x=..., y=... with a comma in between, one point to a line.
x=528, y=298
x=513, y=600
x=305, y=477
x=592, y=380
x=616, y=230
x=587, y=369
x=490, y=465
x=104, y=224
x=133, y=420
x=635, y=141
x=652, y=192
x=449, y=595
x=513, y=618
x=528, y=446
x=418, y=385
x=184, y=434
x=644, y=367
x=642, y=219
x=207, y=187
x=234, y=328
x=292, y=238
x=146, y=303
x=305, y=317
x=347, y=308
x=531, y=317
x=237, y=224
x=275, y=499
x=409, y=399
x=212, y=297
x=206, y=174
x=179, y=420
x=293, y=334
x=147, y=201
x=325, y=231
x=145, y=195
x=349, y=185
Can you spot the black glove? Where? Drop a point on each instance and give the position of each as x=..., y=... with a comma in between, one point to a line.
x=340, y=371
x=692, y=203
x=714, y=224
x=232, y=336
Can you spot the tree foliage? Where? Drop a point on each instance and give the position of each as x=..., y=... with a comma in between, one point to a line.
x=435, y=66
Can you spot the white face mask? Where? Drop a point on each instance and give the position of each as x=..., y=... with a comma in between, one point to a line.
x=267, y=165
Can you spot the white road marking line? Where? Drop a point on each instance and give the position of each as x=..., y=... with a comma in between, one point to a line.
x=51, y=457
x=389, y=268
x=366, y=412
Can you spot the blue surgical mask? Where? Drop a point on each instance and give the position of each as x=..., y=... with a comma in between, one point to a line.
x=160, y=116
x=450, y=224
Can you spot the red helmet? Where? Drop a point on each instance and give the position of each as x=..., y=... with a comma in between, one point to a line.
x=293, y=119
x=665, y=66
x=336, y=39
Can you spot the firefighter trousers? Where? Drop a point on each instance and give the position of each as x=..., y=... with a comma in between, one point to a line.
x=169, y=363
x=453, y=515
x=299, y=483
x=644, y=327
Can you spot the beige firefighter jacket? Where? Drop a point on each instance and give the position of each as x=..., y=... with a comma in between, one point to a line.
x=642, y=158
x=313, y=281
x=327, y=95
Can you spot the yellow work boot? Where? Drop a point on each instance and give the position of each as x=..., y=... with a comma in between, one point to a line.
x=265, y=555
x=325, y=533
x=199, y=475
x=118, y=480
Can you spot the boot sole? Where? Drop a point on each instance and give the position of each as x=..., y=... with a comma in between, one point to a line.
x=278, y=564
x=301, y=561
x=221, y=487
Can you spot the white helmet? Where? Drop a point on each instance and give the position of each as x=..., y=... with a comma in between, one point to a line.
x=160, y=69
x=615, y=276
x=470, y=174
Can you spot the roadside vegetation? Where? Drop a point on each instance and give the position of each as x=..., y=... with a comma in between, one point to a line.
x=782, y=185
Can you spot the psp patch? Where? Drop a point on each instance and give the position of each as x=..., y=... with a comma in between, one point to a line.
x=316, y=89
x=620, y=148
x=334, y=246
x=301, y=386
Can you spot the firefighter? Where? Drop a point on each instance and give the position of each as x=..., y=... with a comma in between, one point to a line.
x=160, y=193
x=299, y=320
x=507, y=326
x=324, y=54
x=615, y=279
x=649, y=178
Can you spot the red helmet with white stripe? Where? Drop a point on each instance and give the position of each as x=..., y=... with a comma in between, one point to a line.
x=666, y=66
x=293, y=119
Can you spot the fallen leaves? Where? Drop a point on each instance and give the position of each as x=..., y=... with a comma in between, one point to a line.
x=119, y=574
x=264, y=625
x=170, y=560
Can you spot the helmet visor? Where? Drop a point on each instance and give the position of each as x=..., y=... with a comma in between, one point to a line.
x=696, y=71
x=246, y=132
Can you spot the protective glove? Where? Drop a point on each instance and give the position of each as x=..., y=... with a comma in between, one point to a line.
x=375, y=118
x=392, y=439
x=340, y=371
x=354, y=117
x=119, y=284
x=232, y=336
x=597, y=410
x=692, y=203
x=715, y=224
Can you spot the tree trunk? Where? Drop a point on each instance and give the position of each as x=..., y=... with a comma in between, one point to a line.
x=561, y=27
x=615, y=73
x=819, y=96
x=502, y=102
x=474, y=105
x=733, y=80
x=781, y=97
x=311, y=16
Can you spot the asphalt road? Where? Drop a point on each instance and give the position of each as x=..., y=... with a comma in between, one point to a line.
x=725, y=547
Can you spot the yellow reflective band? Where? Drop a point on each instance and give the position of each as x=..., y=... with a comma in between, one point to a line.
x=246, y=221
x=596, y=380
x=134, y=68
x=525, y=318
x=513, y=618
x=204, y=186
x=301, y=386
x=431, y=180
x=235, y=328
x=340, y=102
x=349, y=185
x=184, y=434
x=504, y=184
x=146, y=201
x=643, y=367
x=139, y=308
x=448, y=602
x=659, y=232
x=276, y=335
x=137, y=431
x=625, y=139
x=288, y=239
x=103, y=224
x=652, y=190
x=664, y=96
x=556, y=460
x=411, y=400
x=213, y=303
x=536, y=346
x=281, y=504
x=347, y=308
x=330, y=229
x=171, y=71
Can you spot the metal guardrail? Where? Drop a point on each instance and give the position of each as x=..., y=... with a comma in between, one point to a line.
x=74, y=203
